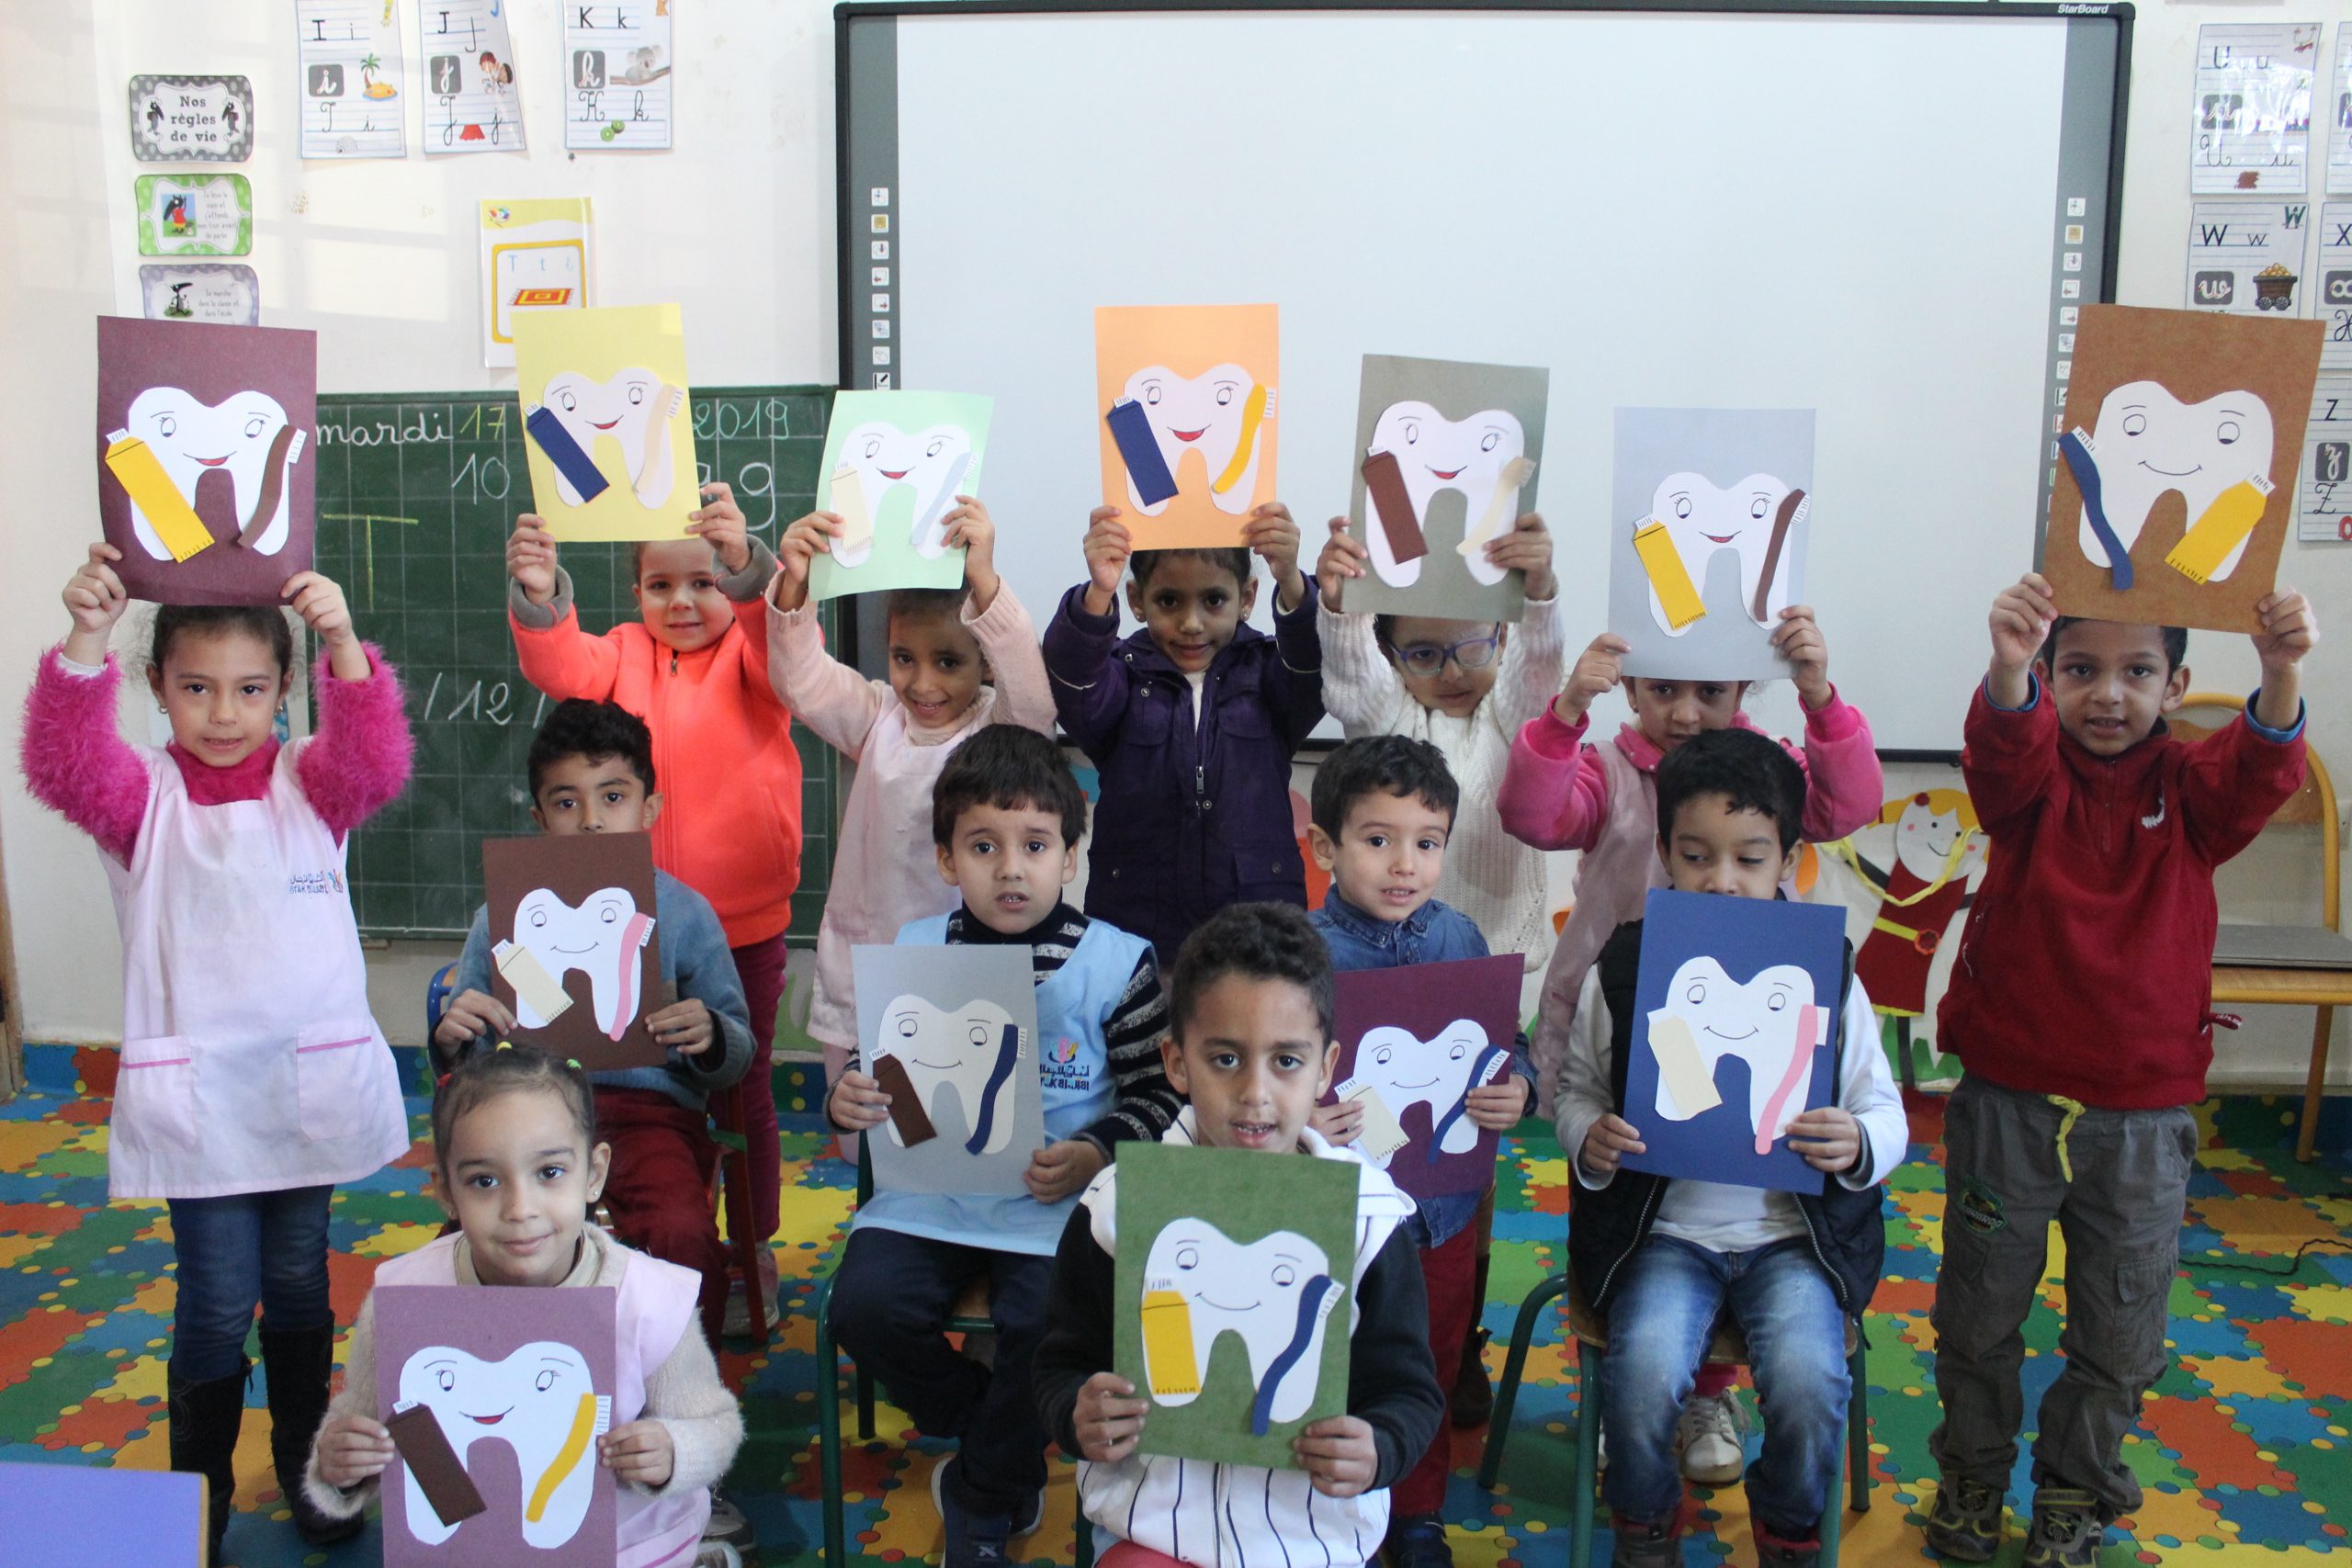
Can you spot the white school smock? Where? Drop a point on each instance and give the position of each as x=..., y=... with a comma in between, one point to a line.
x=250, y=1062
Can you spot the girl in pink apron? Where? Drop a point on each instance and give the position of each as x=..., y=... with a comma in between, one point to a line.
x=522, y=1218
x=252, y=1079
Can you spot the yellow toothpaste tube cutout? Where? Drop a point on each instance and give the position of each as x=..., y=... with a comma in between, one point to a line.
x=849, y=500
x=133, y=463
x=1168, y=1363
x=1668, y=574
x=2223, y=527
x=1252, y=413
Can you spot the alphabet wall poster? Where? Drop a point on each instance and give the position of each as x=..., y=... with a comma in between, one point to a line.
x=347, y=59
x=1413, y=1043
x=535, y=258
x=207, y=119
x=472, y=102
x=1234, y=1284
x=2175, y=461
x=894, y=464
x=2252, y=108
x=495, y=1396
x=1185, y=394
x=1734, y=1034
x=2247, y=258
x=951, y=1034
x=207, y=477
x=193, y=215
x=611, y=443
x=574, y=948
x=1711, y=516
x=226, y=294
x=616, y=66
x=1444, y=461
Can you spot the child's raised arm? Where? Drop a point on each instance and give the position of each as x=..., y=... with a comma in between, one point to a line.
x=1554, y=794
x=1293, y=684
x=1082, y=639
x=1845, y=783
x=76, y=760
x=556, y=657
x=999, y=622
x=1361, y=686
x=359, y=759
x=2290, y=630
x=1533, y=657
x=2236, y=778
x=837, y=704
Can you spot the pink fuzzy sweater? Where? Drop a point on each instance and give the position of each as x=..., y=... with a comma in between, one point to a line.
x=77, y=763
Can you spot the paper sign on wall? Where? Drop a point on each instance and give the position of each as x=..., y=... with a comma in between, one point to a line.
x=610, y=442
x=2325, y=513
x=951, y=1034
x=207, y=480
x=533, y=260
x=1413, y=1043
x=2176, y=465
x=2331, y=301
x=1711, y=523
x=2334, y=106
x=1234, y=1287
x=495, y=1397
x=618, y=75
x=894, y=464
x=1186, y=397
x=473, y=104
x=226, y=294
x=2247, y=258
x=1445, y=462
x=193, y=215
x=1734, y=1034
x=2252, y=108
x=348, y=56
x=573, y=944
x=191, y=119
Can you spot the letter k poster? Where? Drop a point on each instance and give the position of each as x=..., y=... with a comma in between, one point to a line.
x=1234, y=1287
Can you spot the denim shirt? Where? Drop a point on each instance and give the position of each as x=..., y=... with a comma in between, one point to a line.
x=1434, y=933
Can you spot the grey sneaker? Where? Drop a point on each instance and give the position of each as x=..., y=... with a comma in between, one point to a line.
x=972, y=1540
x=2067, y=1530
x=1967, y=1522
x=1709, y=1430
x=1657, y=1544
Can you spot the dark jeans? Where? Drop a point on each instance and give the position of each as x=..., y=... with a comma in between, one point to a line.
x=892, y=1302
x=255, y=1248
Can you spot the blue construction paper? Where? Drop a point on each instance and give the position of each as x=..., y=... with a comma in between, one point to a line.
x=566, y=454
x=1140, y=449
x=81, y=1511
x=1739, y=974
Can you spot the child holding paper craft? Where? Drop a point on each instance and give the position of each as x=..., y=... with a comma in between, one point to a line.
x=696, y=668
x=945, y=644
x=1252, y=1049
x=1663, y=1258
x=1006, y=819
x=2081, y=1009
x=243, y=1097
x=592, y=772
x=1189, y=722
x=517, y=1164
x=1467, y=687
x=1384, y=811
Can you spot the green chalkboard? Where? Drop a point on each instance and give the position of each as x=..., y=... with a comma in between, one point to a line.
x=417, y=492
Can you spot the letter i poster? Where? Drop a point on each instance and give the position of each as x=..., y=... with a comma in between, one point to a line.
x=1234, y=1287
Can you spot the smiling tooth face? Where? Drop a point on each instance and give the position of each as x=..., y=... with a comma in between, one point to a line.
x=1276, y=1293
x=1753, y=519
x=1924, y=838
x=634, y=408
x=244, y=436
x=1211, y=422
x=894, y=468
x=1478, y=457
x=1769, y=1022
x=2149, y=442
x=1404, y=1070
x=602, y=939
x=541, y=1402
x=970, y=1053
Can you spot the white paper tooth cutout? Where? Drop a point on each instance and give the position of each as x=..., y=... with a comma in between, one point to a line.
x=1403, y=1069
x=1276, y=1293
x=2148, y=442
x=602, y=939
x=635, y=409
x=1218, y=414
x=541, y=1402
x=1770, y=1023
x=244, y=436
x=1483, y=457
x=970, y=1053
x=930, y=463
x=1701, y=520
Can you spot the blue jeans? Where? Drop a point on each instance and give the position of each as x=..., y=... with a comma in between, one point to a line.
x=1658, y=1328
x=266, y=1247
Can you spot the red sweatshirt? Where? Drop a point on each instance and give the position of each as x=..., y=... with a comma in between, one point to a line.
x=2085, y=969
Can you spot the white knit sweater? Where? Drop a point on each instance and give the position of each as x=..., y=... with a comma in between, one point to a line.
x=1490, y=877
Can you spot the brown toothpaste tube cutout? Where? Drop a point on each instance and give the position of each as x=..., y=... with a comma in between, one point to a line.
x=417, y=1433
x=1386, y=481
x=906, y=1112
x=1783, y=520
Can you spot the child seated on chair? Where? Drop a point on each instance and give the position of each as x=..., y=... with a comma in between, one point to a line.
x=1663, y=1258
x=1006, y=817
x=592, y=772
x=1252, y=1048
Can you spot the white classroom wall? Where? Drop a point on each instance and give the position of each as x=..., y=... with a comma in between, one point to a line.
x=380, y=257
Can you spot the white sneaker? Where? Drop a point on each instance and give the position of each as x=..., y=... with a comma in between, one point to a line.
x=718, y=1554
x=1709, y=1432
x=727, y=1524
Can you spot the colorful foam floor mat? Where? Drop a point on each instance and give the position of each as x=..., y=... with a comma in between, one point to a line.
x=2245, y=1448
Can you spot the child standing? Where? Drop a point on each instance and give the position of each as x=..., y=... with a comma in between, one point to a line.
x=1190, y=723
x=517, y=1164
x=1383, y=810
x=1252, y=1049
x=1663, y=1258
x=1006, y=819
x=592, y=772
x=695, y=671
x=2081, y=1008
x=944, y=644
x=242, y=1100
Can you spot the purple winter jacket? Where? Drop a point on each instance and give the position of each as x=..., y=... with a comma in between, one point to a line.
x=1187, y=822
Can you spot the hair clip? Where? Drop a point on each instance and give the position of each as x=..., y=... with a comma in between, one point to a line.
x=572, y=1064
x=441, y=1082
x=507, y=1044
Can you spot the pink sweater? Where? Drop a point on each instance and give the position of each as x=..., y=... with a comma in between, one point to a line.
x=77, y=763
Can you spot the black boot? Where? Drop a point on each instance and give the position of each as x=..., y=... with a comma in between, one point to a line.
x=1471, y=1398
x=204, y=1419
x=296, y=1364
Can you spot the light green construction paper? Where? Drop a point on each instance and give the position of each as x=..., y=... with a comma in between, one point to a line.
x=1267, y=1204
x=895, y=563
x=154, y=242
